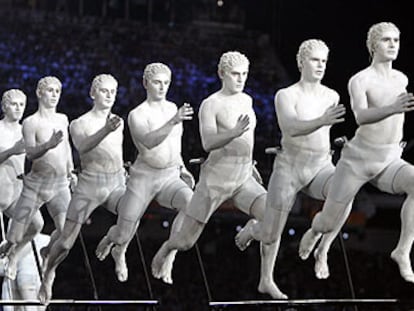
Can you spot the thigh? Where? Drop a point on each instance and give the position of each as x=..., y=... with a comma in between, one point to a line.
x=59, y=203
x=132, y=206
x=175, y=194
x=80, y=208
x=395, y=178
x=245, y=197
x=318, y=187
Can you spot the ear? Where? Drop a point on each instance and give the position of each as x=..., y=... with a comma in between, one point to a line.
x=144, y=83
x=220, y=73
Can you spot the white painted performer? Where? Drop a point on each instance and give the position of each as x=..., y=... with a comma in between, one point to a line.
x=27, y=282
x=158, y=172
x=305, y=112
x=98, y=137
x=227, y=123
x=12, y=150
x=379, y=100
x=47, y=145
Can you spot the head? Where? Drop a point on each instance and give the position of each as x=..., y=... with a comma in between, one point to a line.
x=103, y=90
x=156, y=80
x=13, y=103
x=381, y=36
x=311, y=59
x=48, y=91
x=233, y=69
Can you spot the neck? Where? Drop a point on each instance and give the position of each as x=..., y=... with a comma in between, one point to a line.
x=383, y=68
x=309, y=86
x=43, y=111
x=101, y=112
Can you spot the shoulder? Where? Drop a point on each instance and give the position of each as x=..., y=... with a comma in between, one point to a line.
x=30, y=120
x=62, y=118
x=360, y=77
x=330, y=93
x=286, y=93
x=400, y=76
x=210, y=102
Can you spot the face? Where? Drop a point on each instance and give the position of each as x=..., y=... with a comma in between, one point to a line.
x=388, y=45
x=235, y=78
x=50, y=95
x=104, y=95
x=314, y=65
x=14, y=108
x=157, y=86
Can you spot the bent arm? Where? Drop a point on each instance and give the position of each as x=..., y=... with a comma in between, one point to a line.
x=293, y=125
x=84, y=142
x=365, y=114
x=34, y=151
x=17, y=148
x=211, y=138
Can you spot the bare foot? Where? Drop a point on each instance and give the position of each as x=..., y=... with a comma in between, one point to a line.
x=245, y=237
x=45, y=291
x=269, y=287
x=157, y=264
x=166, y=270
x=307, y=243
x=103, y=249
x=404, y=264
x=321, y=265
x=121, y=269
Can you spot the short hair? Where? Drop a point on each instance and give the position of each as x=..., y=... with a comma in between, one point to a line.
x=306, y=48
x=45, y=81
x=375, y=32
x=231, y=59
x=154, y=68
x=99, y=79
x=9, y=94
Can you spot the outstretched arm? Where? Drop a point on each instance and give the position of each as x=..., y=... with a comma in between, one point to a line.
x=366, y=115
x=291, y=124
x=151, y=139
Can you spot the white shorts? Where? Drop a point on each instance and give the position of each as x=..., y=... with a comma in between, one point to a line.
x=221, y=181
x=297, y=169
x=93, y=190
x=146, y=183
x=362, y=162
x=38, y=191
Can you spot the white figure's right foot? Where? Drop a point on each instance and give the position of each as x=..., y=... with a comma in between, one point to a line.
x=121, y=268
x=245, y=237
x=270, y=288
x=404, y=264
x=321, y=265
x=104, y=247
x=45, y=291
x=157, y=264
x=307, y=243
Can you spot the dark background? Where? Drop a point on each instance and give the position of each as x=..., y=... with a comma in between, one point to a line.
x=75, y=40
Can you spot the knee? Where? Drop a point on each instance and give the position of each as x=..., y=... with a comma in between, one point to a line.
x=322, y=224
